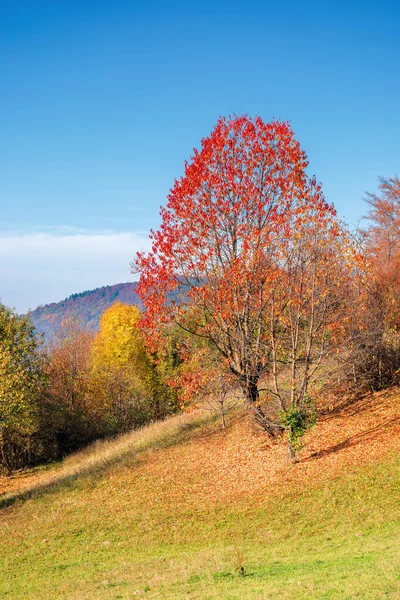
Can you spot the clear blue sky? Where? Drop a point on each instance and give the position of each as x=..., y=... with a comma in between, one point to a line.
x=101, y=103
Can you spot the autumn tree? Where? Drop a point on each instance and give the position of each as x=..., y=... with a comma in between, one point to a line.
x=128, y=386
x=69, y=373
x=206, y=382
x=21, y=382
x=382, y=236
x=382, y=243
x=250, y=248
x=70, y=351
x=376, y=351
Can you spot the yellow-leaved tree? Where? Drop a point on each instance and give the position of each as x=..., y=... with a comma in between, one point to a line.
x=128, y=386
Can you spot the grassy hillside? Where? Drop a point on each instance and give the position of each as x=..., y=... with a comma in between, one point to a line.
x=183, y=509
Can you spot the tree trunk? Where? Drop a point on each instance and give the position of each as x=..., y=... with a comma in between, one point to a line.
x=4, y=456
x=222, y=413
x=251, y=393
x=292, y=454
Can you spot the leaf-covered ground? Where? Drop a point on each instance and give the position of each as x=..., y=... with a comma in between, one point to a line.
x=222, y=466
x=183, y=510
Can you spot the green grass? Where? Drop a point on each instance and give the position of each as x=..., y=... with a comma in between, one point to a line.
x=107, y=535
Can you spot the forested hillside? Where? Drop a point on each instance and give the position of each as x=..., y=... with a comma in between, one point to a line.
x=87, y=306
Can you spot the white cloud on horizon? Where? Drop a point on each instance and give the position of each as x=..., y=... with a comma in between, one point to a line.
x=46, y=266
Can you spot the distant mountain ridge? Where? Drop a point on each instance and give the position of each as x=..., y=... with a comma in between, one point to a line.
x=87, y=306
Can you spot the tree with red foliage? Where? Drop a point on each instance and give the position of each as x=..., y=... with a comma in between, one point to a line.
x=377, y=352
x=382, y=241
x=251, y=258
x=383, y=234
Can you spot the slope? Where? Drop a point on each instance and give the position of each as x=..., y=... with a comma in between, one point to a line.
x=185, y=510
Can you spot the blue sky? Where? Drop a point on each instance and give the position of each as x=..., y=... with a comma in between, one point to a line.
x=101, y=103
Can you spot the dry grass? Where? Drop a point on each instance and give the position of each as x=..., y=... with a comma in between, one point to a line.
x=347, y=435
x=98, y=456
x=176, y=510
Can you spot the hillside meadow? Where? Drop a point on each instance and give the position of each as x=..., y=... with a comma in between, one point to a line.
x=184, y=509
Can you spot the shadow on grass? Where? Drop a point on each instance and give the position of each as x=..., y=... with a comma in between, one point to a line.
x=351, y=441
x=355, y=403
x=349, y=405
x=93, y=461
